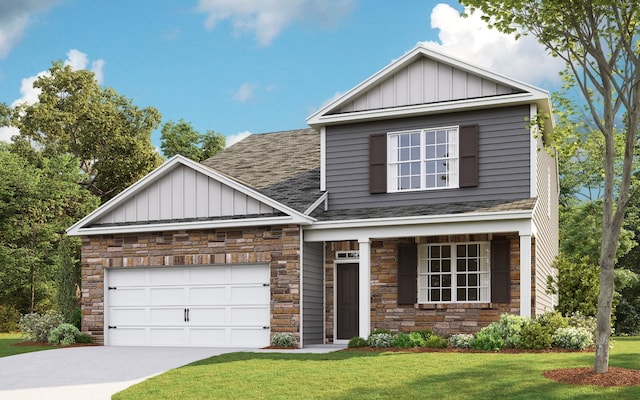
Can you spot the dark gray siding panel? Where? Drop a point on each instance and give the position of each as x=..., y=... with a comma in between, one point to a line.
x=313, y=293
x=503, y=159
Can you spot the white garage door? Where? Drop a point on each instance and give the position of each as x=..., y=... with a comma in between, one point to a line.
x=221, y=306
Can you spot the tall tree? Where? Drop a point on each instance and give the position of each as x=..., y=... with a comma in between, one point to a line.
x=181, y=138
x=599, y=41
x=38, y=201
x=106, y=132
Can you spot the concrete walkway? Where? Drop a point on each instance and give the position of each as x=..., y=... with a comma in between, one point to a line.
x=98, y=372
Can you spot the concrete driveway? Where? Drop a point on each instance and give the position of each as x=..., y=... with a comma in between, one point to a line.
x=91, y=372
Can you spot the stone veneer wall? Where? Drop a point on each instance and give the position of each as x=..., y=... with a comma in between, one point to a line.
x=444, y=319
x=278, y=246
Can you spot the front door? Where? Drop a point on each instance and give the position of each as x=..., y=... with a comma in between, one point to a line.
x=347, y=301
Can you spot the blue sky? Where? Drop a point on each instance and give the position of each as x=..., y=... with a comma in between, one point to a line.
x=243, y=66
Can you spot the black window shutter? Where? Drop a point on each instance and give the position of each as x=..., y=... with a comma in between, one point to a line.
x=500, y=271
x=407, y=274
x=378, y=163
x=468, y=152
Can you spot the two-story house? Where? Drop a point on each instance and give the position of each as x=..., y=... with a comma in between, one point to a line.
x=421, y=198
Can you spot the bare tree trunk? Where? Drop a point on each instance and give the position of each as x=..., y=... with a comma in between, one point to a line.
x=603, y=331
x=32, y=305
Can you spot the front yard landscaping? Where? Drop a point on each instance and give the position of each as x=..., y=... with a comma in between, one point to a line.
x=8, y=346
x=357, y=374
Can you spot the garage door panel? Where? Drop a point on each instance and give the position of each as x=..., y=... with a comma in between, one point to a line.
x=249, y=295
x=250, y=316
x=217, y=275
x=167, y=336
x=242, y=337
x=167, y=316
x=200, y=296
x=167, y=296
x=127, y=316
x=208, y=337
x=249, y=274
x=131, y=297
x=189, y=306
x=167, y=276
x=208, y=316
x=134, y=277
x=127, y=336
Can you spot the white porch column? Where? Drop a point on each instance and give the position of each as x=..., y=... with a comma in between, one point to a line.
x=364, y=288
x=525, y=275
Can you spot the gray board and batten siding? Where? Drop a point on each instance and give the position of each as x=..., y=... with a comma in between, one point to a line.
x=184, y=193
x=312, y=293
x=503, y=159
x=425, y=81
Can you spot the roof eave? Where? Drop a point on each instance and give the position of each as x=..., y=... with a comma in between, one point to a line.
x=172, y=226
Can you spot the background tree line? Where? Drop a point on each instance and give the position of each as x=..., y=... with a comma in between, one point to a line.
x=78, y=146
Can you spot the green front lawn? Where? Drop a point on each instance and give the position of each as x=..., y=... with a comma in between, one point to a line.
x=366, y=375
x=8, y=339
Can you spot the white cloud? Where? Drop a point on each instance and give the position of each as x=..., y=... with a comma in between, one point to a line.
x=14, y=19
x=244, y=93
x=471, y=40
x=267, y=18
x=233, y=139
x=7, y=132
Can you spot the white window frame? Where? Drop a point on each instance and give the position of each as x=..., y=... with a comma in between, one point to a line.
x=483, y=273
x=451, y=159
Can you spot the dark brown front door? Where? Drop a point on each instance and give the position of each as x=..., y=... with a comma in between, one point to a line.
x=347, y=301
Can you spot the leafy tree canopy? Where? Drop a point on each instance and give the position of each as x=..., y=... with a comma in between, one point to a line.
x=39, y=199
x=181, y=138
x=600, y=42
x=106, y=132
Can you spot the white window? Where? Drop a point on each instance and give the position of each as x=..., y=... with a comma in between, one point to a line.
x=453, y=272
x=423, y=159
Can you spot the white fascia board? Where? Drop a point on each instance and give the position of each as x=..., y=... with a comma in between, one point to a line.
x=534, y=132
x=427, y=109
x=169, y=226
x=320, y=117
x=323, y=158
x=502, y=222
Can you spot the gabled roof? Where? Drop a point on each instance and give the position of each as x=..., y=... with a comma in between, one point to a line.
x=284, y=166
x=424, y=81
x=183, y=194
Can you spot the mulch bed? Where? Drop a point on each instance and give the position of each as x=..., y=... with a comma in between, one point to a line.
x=585, y=376
x=616, y=376
x=52, y=345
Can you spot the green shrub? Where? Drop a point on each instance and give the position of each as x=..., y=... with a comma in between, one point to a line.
x=425, y=333
x=356, y=342
x=380, y=339
x=63, y=334
x=36, y=327
x=417, y=339
x=488, y=339
x=84, y=338
x=573, y=338
x=535, y=336
x=9, y=319
x=77, y=318
x=552, y=321
x=435, y=342
x=283, y=340
x=402, y=341
x=461, y=340
x=579, y=320
x=503, y=333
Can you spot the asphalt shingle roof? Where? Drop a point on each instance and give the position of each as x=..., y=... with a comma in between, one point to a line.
x=284, y=166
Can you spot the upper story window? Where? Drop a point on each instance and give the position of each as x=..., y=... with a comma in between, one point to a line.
x=423, y=159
